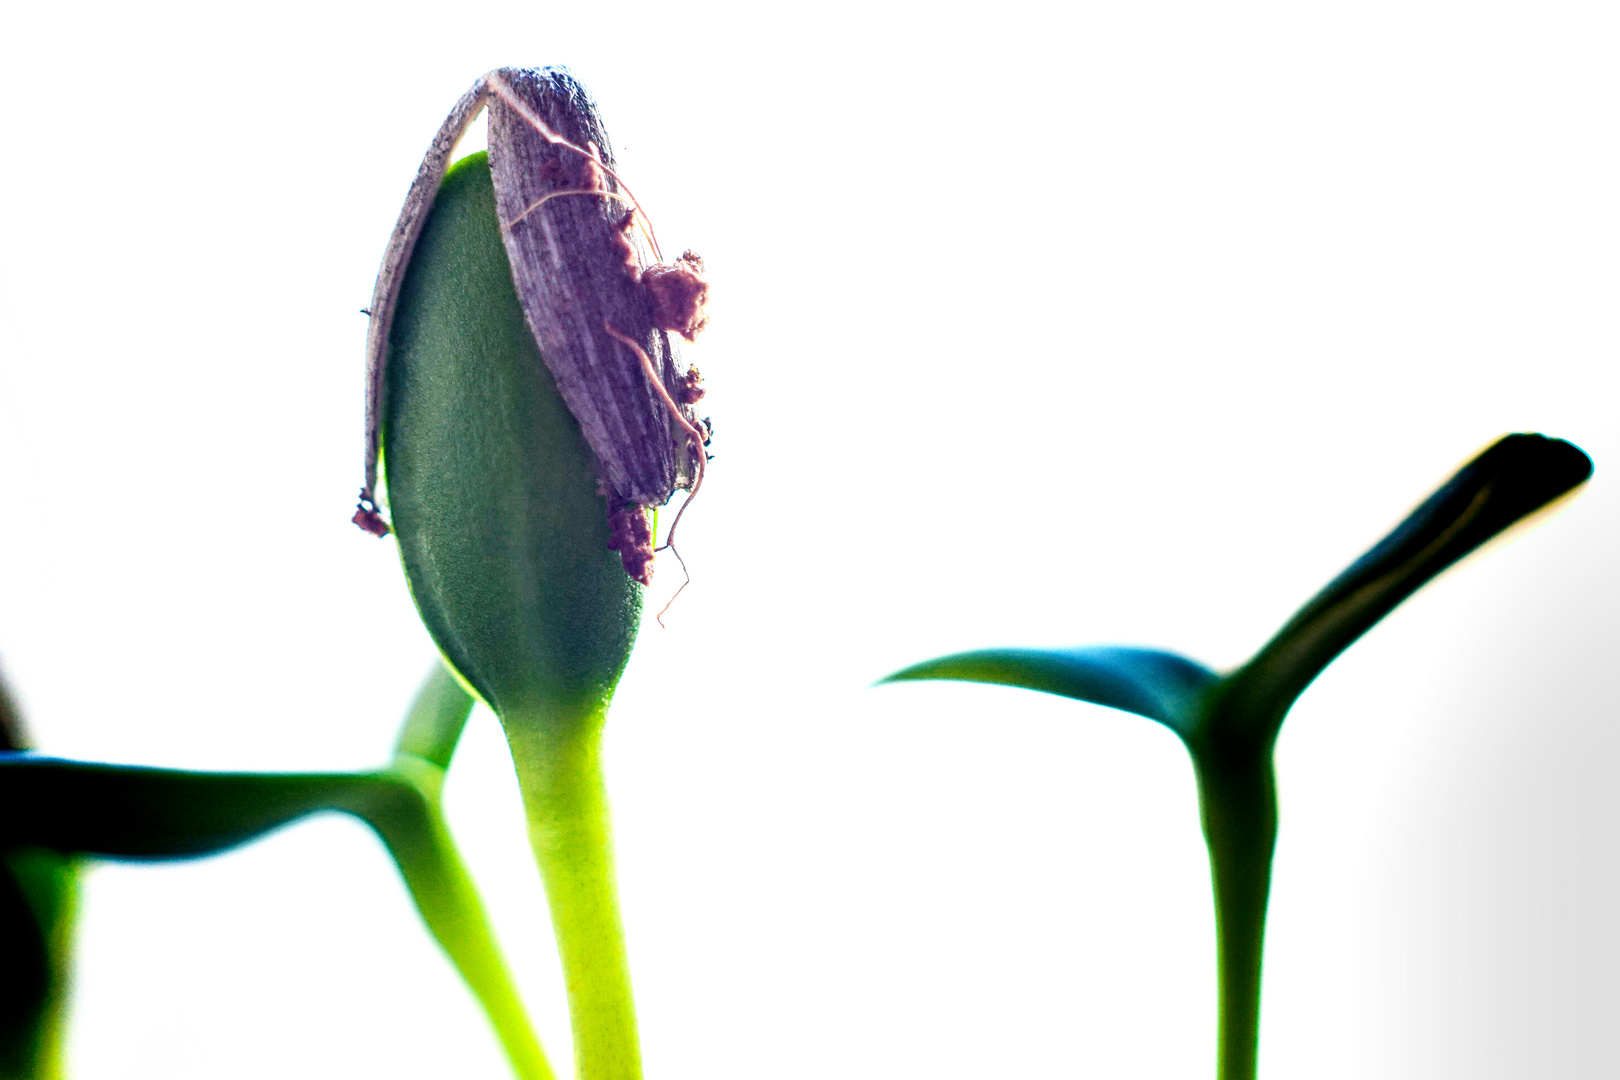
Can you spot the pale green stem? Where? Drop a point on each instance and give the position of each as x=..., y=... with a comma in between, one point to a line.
x=450, y=906
x=559, y=770
x=438, y=881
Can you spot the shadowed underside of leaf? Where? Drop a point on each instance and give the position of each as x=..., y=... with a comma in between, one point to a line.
x=1159, y=685
x=1512, y=479
x=124, y=811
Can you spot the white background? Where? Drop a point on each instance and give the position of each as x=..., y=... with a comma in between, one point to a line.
x=1034, y=325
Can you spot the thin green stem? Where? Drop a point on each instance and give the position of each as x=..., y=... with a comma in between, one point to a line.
x=436, y=719
x=1238, y=798
x=420, y=842
x=559, y=770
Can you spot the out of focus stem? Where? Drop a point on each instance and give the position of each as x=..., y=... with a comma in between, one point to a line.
x=448, y=901
x=436, y=878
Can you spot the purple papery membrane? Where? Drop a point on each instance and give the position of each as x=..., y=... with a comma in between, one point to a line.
x=576, y=263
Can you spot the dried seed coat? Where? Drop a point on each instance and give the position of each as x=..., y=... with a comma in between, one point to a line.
x=569, y=266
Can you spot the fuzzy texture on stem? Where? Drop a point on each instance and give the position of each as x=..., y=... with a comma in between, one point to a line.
x=560, y=773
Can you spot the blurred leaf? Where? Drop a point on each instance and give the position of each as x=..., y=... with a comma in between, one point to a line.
x=1158, y=685
x=133, y=812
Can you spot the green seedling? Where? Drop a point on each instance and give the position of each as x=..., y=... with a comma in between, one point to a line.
x=528, y=411
x=1229, y=723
